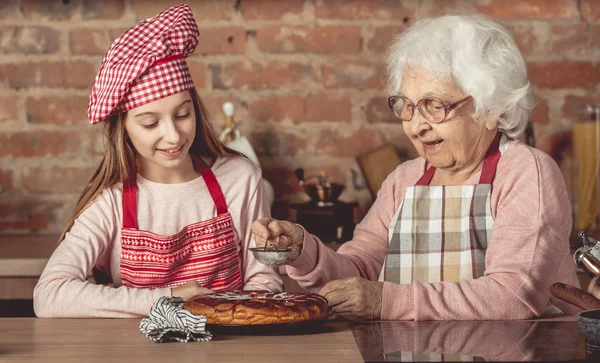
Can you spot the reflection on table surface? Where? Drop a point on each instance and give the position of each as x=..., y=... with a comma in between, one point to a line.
x=436, y=341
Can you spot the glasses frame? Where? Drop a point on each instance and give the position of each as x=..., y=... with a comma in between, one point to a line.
x=447, y=108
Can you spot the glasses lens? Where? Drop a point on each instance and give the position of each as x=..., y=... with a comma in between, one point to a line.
x=432, y=110
x=402, y=109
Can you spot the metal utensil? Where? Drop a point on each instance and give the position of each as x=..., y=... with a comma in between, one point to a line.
x=271, y=255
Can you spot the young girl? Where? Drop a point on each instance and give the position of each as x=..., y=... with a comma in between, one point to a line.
x=169, y=209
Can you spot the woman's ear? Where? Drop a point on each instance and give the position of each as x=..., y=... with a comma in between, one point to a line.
x=491, y=124
x=491, y=120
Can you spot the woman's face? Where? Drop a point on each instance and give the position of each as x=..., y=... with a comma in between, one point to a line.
x=459, y=142
x=162, y=133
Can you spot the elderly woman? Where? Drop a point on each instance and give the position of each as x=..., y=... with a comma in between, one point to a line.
x=475, y=228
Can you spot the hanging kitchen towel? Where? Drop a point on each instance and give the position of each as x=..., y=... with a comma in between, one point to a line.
x=168, y=322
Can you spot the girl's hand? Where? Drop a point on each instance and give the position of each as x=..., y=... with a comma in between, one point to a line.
x=282, y=234
x=190, y=289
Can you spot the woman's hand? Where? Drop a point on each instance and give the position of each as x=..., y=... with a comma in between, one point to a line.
x=282, y=234
x=190, y=289
x=354, y=298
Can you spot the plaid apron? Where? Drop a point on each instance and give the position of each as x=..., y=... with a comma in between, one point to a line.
x=440, y=233
x=204, y=251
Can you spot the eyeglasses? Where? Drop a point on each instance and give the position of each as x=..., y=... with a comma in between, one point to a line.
x=434, y=111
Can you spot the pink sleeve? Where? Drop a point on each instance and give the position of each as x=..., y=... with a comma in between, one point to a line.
x=256, y=275
x=63, y=292
x=364, y=254
x=528, y=251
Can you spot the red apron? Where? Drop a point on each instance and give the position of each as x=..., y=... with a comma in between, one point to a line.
x=204, y=251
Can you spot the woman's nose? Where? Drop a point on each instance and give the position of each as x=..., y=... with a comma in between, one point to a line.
x=418, y=124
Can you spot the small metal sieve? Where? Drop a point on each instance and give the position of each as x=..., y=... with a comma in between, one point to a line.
x=270, y=254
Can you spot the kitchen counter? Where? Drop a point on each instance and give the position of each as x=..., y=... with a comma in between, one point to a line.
x=106, y=340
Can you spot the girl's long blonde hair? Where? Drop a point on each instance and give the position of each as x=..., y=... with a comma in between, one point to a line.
x=119, y=161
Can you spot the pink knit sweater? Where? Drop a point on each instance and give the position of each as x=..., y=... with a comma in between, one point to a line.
x=528, y=250
x=165, y=209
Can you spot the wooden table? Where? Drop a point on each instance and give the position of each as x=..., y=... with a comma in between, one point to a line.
x=112, y=340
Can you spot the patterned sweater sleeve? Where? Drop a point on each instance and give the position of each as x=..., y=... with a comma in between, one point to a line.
x=62, y=290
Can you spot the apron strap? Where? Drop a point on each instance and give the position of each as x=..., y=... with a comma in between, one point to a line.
x=211, y=182
x=130, y=203
x=130, y=193
x=488, y=170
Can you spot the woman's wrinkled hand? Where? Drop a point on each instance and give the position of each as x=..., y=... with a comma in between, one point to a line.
x=282, y=234
x=354, y=298
x=190, y=289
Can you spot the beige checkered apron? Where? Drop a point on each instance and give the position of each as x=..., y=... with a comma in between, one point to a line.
x=440, y=233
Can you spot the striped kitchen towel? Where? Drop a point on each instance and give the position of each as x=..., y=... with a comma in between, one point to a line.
x=168, y=322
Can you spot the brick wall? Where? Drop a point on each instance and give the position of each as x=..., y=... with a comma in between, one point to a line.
x=307, y=78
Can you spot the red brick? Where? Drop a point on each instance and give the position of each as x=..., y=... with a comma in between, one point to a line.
x=211, y=10
x=378, y=111
x=70, y=74
x=40, y=143
x=90, y=41
x=26, y=214
x=56, y=180
x=363, y=9
x=277, y=143
x=331, y=143
x=8, y=108
x=29, y=40
x=49, y=10
x=6, y=180
x=246, y=75
x=354, y=74
x=528, y=9
x=524, y=36
x=57, y=110
x=270, y=9
x=539, y=115
x=222, y=40
x=445, y=7
x=278, y=108
x=254, y=76
x=573, y=114
x=383, y=37
x=590, y=10
x=198, y=71
x=290, y=75
x=9, y=9
x=575, y=40
x=324, y=107
x=105, y=9
x=95, y=140
x=564, y=74
x=321, y=40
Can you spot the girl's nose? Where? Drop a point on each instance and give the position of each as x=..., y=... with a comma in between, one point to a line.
x=170, y=132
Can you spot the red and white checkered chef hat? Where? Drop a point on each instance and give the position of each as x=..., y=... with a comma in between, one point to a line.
x=145, y=64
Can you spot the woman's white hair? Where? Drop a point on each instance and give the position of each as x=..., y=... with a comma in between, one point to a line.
x=479, y=55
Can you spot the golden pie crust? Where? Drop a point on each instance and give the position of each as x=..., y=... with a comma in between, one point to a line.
x=258, y=307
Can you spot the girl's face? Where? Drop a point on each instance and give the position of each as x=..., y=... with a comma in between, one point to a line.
x=162, y=133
